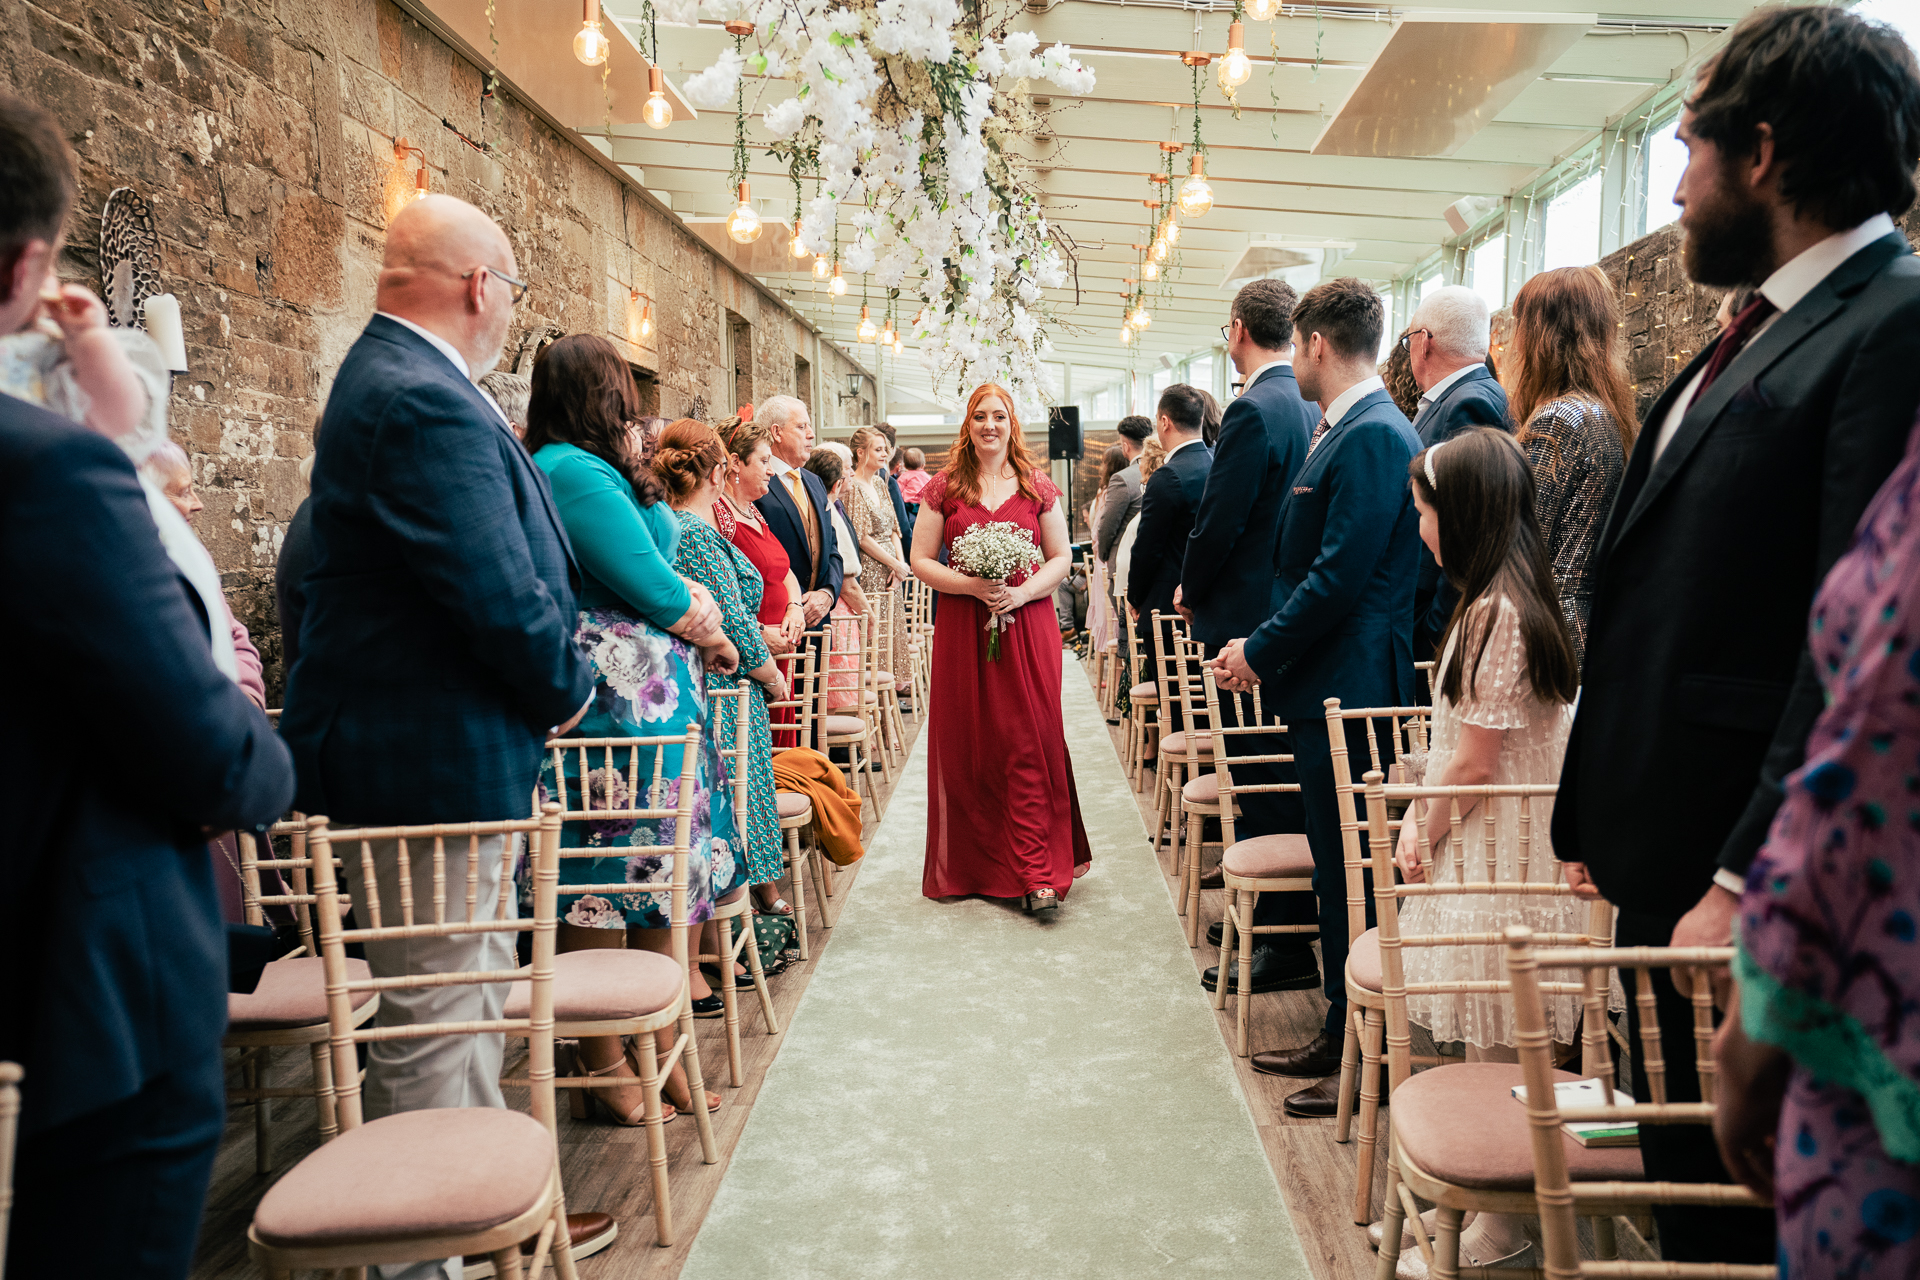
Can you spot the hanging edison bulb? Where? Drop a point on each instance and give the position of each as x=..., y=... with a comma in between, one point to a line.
x=821, y=267
x=1170, y=230
x=888, y=337
x=657, y=112
x=838, y=285
x=1236, y=68
x=591, y=45
x=898, y=346
x=920, y=318
x=1263, y=10
x=743, y=224
x=1159, y=251
x=797, y=246
x=866, y=330
x=1152, y=270
x=1126, y=334
x=1196, y=196
x=1141, y=317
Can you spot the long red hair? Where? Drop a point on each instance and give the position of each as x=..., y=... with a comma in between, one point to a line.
x=963, y=460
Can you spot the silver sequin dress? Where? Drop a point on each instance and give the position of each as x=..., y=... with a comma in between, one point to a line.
x=1577, y=459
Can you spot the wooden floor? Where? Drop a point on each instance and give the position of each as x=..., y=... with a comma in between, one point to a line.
x=604, y=1167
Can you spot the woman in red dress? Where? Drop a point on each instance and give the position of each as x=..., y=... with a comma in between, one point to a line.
x=1002, y=817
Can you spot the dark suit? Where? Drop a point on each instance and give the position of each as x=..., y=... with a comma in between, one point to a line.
x=437, y=647
x=289, y=598
x=1476, y=400
x=1226, y=578
x=783, y=518
x=120, y=745
x=1168, y=505
x=1698, y=688
x=1342, y=627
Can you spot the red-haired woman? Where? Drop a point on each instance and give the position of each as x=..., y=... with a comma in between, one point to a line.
x=1002, y=817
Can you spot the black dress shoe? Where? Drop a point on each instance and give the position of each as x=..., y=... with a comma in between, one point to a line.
x=1318, y=1057
x=1293, y=969
x=1213, y=880
x=1295, y=939
x=709, y=1007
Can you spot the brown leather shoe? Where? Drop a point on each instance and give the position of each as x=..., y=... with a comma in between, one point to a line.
x=1318, y=1057
x=588, y=1233
x=1213, y=879
x=1315, y=1102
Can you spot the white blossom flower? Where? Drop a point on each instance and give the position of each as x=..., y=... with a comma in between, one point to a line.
x=714, y=88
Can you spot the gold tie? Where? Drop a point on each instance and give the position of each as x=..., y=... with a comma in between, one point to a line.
x=808, y=523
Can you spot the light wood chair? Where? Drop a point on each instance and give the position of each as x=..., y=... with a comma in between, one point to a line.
x=883, y=684
x=1559, y=1196
x=920, y=643
x=10, y=1077
x=1200, y=797
x=1274, y=863
x=1487, y=1168
x=1180, y=755
x=1142, y=697
x=655, y=991
x=856, y=726
x=732, y=711
x=421, y=1185
x=289, y=1006
x=802, y=671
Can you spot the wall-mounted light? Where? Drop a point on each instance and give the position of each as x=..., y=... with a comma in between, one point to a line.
x=591, y=45
x=401, y=150
x=743, y=224
x=646, y=312
x=656, y=112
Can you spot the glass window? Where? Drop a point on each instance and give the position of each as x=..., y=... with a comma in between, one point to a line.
x=1200, y=374
x=1162, y=379
x=1428, y=285
x=1100, y=393
x=1572, y=234
x=1665, y=158
x=1488, y=266
x=918, y=419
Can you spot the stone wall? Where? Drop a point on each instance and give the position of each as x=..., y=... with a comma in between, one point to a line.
x=262, y=134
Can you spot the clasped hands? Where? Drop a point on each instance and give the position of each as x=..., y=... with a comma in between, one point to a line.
x=1001, y=598
x=1230, y=669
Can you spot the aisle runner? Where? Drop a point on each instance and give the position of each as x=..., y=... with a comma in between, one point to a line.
x=966, y=1092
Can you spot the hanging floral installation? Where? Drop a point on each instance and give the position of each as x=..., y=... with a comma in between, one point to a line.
x=908, y=109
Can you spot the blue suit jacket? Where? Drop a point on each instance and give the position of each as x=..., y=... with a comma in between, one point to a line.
x=110, y=930
x=1227, y=580
x=1477, y=400
x=1167, y=507
x=437, y=647
x=1344, y=569
x=784, y=519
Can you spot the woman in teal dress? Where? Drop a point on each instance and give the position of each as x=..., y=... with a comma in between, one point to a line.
x=689, y=460
x=648, y=633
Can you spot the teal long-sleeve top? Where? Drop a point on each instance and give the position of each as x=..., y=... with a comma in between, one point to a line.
x=625, y=550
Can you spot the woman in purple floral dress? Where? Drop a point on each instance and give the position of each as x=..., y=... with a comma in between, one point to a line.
x=1827, y=1036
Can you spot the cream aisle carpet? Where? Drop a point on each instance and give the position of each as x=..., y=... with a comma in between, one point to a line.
x=968, y=1092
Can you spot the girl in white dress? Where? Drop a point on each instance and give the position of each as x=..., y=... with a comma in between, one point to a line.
x=1502, y=707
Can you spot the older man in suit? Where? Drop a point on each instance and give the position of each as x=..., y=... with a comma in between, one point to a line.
x=1342, y=628
x=1752, y=472
x=795, y=507
x=115, y=995
x=1446, y=346
x=1167, y=508
x=436, y=651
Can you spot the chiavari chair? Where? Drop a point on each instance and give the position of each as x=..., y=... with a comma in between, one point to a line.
x=731, y=711
x=10, y=1077
x=631, y=992
x=1558, y=1195
x=920, y=642
x=802, y=671
x=421, y=1185
x=1487, y=1166
x=289, y=1006
x=1200, y=794
x=1142, y=697
x=883, y=684
x=855, y=727
x=1180, y=755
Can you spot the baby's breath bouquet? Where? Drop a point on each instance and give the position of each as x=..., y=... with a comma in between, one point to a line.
x=996, y=552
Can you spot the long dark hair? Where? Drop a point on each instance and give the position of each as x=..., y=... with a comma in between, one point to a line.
x=1490, y=546
x=584, y=395
x=1566, y=342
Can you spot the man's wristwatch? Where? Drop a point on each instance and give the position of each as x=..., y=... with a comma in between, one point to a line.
x=1732, y=881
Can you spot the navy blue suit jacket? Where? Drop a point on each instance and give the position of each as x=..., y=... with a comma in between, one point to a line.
x=1344, y=568
x=1167, y=508
x=120, y=744
x=436, y=650
x=1227, y=580
x=783, y=518
x=1476, y=400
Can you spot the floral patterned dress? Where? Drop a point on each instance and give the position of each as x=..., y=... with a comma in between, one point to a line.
x=1829, y=948
x=725, y=571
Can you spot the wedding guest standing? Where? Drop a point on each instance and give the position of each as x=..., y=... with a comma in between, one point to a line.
x=1166, y=518
x=1756, y=463
x=1123, y=490
x=795, y=507
x=122, y=1101
x=883, y=565
x=1345, y=567
x=1567, y=382
x=1002, y=816
x=1817, y=1062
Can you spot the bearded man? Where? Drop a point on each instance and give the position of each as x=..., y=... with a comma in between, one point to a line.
x=1751, y=471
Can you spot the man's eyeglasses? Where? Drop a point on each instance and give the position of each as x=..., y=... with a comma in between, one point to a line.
x=1226, y=332
x=1405, y=341
x=518, y=287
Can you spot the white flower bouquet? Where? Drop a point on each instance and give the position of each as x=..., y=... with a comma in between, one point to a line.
x=996, y=552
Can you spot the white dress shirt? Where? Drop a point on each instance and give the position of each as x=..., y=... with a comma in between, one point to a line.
x=1254, y=377
x=1350, y=397
x=1784, y=289
x=1177, y=448
x=1439, y=388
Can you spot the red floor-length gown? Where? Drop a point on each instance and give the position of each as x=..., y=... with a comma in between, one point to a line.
x=1002, y=816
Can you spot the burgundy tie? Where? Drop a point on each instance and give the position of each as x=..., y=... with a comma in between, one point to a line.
x=1318, y=431
x=1734, y=340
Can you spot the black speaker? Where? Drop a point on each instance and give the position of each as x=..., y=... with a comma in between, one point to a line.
x=1063, y=433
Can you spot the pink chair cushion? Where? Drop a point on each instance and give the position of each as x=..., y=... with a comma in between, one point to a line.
x=1363, y=962
x=446, y=1171
x=884, y=678
x=292, y=993
x=792, y=804
x=1204, y=789
x=1177, y=744
x=604, y=983
x=841, y=726
x=1269, y=857
x=1493, y=1153
x=1144, y=693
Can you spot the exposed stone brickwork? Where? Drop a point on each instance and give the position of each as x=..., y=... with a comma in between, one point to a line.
x=262, y=133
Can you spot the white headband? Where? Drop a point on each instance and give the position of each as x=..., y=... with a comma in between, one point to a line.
x=1431, y=450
